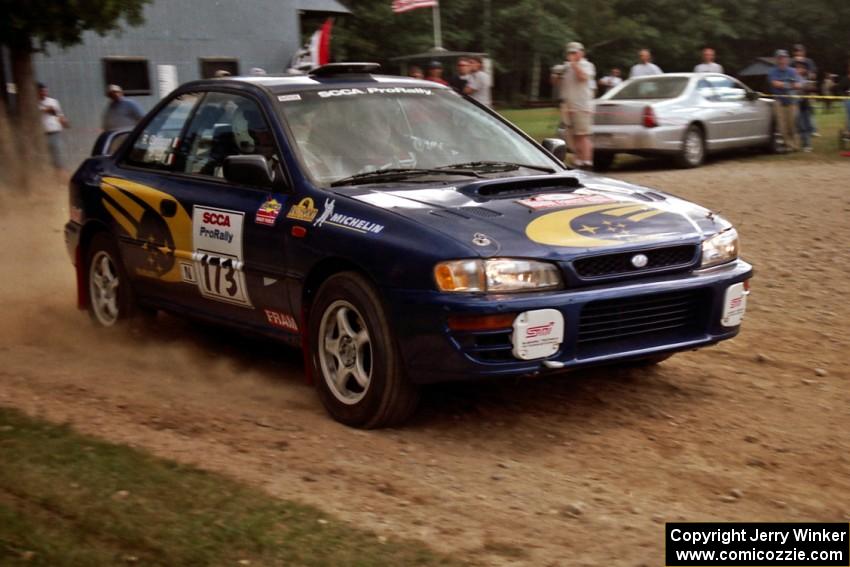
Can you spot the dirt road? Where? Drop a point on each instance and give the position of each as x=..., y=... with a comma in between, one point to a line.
x=579, y=470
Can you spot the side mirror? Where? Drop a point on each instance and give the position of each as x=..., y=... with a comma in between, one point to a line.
x=250, y=170
x=556, y=147
x=753, y=95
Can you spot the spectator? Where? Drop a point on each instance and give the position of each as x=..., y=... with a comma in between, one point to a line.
x=785, y=81
x=435, y=73
x=811, y=75
x=577, y=103
x=827, y=88
x=843, y=89
x=708, y=65
x=53, y=121
x=257, y=72
x=805, y=126
x=478, y=82
x=458, y=82
x=121, y=112
x=646, y=67
x=415, y=72
x=610, y=80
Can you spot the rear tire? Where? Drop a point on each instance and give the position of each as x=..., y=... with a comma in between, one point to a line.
x=693, y=148
x=110, y=297
x=602, y=161
x=359, y=372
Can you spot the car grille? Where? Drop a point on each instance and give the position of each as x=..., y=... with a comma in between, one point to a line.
x=618, y=264
x=639, y=322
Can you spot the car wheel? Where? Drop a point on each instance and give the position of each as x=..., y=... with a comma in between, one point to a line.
x=602, y=161
x=693, y=148
x=110, y=298
x=358, y=370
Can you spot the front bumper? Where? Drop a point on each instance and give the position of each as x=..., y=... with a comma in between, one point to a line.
x=638, y=139
x=434, y=353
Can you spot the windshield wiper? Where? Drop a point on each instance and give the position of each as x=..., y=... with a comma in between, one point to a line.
x=394, y=173
x=496, y=166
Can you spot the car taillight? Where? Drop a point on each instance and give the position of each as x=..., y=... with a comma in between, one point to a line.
x=649, y=119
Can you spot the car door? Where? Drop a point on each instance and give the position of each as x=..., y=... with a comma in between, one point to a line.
x=235, y=257
x=150, y=225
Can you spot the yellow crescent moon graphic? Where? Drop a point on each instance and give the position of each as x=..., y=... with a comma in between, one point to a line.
x=555, y=229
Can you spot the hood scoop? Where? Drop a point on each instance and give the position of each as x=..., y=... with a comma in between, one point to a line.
x=520, y=186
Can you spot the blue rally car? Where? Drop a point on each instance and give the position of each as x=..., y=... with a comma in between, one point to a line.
x=397, y=232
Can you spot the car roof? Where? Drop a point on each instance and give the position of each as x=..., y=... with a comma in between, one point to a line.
x=289, y=83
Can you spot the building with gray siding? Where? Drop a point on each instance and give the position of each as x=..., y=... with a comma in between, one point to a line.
x=180, y=41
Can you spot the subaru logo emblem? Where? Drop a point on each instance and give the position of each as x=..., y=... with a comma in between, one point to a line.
x=640, y=260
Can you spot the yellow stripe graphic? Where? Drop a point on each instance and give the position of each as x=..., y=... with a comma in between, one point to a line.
x=643, y=216
x=623, y=211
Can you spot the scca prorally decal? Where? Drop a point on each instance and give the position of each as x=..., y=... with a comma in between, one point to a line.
x=562, y=200
x=218, y=255
x=375, y=90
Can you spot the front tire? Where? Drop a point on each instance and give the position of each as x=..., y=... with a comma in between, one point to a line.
x=110, y=297
x=693, y=148
x=359, y=373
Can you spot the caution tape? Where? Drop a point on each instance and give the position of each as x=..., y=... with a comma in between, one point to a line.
x=812, y=97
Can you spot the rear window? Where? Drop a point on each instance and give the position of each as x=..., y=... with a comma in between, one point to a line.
x=656, y=87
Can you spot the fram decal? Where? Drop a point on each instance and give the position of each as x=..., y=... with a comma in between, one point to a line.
x=281, y=320
x=561, y=200
x=539, y=330
x=305, y=210
x=268, y=212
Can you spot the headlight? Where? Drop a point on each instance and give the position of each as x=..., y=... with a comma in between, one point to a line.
x=496, y=275
x=720, y=248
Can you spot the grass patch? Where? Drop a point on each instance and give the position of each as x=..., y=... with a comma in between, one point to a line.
x=69, y=500
x=541, y=123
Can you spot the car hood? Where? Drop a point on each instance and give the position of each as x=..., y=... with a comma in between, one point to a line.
x=551, y=216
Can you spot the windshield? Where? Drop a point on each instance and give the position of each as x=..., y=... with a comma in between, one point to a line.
x=345, y=132
x=656, y=87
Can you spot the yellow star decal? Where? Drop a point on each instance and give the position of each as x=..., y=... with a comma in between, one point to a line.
x=588, y=229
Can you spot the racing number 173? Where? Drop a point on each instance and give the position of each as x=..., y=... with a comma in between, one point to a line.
x=213, y=268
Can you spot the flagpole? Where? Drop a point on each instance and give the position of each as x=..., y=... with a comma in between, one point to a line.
x=438, y=32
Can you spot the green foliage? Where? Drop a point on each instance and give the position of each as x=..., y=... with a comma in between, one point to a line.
x=32, y=24
x=518, y=32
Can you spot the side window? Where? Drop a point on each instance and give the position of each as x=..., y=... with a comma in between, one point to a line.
x=727, y=89
x=224, y=125
x=155, y=147
x=706, y=90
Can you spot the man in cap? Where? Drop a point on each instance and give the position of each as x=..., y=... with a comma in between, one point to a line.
x=785, y=81
x=573, y=83
x=435, y=73
x=121, y=112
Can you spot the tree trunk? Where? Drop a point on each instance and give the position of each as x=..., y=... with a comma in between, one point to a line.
x=29, y=142
x=9, y=166
x=534, y=91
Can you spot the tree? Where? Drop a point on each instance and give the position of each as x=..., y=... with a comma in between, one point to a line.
x=34, y=25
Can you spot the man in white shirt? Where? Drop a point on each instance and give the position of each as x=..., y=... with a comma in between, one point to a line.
x=573, y=82
x=646, y=67
x=610, y=80
x=53, y=121
x=478, y=82
x=708, y=64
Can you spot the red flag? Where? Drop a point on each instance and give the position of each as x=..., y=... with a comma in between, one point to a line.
x=320, y=44
x=400, y=6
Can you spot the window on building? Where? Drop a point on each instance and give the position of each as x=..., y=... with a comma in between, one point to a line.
x=129, y=73
x=211, y=65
